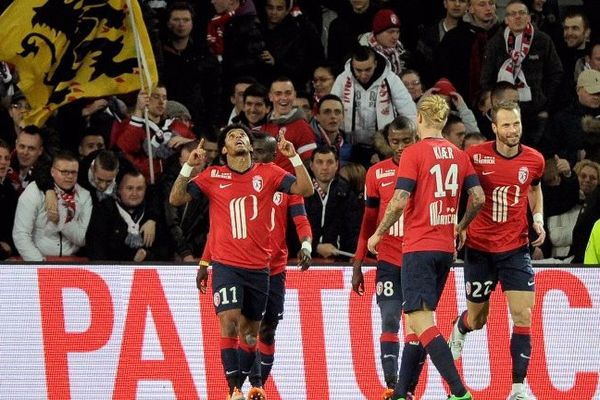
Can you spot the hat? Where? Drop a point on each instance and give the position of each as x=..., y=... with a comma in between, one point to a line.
x=177, y=110
x=384, y=20
x=590, y=81
x=444, y=87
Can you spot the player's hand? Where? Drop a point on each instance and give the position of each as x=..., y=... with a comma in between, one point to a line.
x=358, y=280
x=198, y=155
x=148, y=232
x=563, y=166
x=539, y=229
x=304, y=259
x=373, y=242
x=202, y=279
x=286, y=148
x=461, y=237
x=537, y=254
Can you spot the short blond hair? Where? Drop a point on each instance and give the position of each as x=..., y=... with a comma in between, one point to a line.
x=435, y=110
x=586, y=163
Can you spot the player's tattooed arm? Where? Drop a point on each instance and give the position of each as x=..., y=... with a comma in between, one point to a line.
x=476, y=200
x=179, y=195
x=393, y=211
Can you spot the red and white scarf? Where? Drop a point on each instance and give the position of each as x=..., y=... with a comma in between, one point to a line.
x=517, y=47
x=214, y=33
x=393, y=54
x=66, y=204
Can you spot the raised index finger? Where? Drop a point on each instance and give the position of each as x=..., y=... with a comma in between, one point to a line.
x=200, y=145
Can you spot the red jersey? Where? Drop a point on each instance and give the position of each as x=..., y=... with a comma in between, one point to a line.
x=434, y=171
x=380, y=184
x=502, y=225
x=284, y=204
x=299, y=133
x=240, y=207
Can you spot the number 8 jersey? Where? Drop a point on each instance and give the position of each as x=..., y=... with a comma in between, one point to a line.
x=502, y=225
x=434, y=171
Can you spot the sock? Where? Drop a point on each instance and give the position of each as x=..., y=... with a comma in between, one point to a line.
x=231, y=361
x=247, y=354
x=413, y=358
x=390, y=348
x=267, y=355
x=463, y=323
x=440, y=355
x=520, y=351
x=256, y=372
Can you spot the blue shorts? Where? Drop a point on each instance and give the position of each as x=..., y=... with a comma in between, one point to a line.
x=388, y=282
x=424, y=275
x=240, y=288
x=484, y=270
x=276, y=299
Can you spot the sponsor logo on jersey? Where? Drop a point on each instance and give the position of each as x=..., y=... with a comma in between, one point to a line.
x=437, y=215
x=257, y=183
x=523, y=174
x=277, y=198
x=222, y=175
x=481, y=159
x=384, y=173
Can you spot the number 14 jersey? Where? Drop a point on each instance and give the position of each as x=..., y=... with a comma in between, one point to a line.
x=502, y=225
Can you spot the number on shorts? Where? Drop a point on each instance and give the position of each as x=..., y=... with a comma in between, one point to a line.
x=478, y=286
x=388, y=288
x=225, y=298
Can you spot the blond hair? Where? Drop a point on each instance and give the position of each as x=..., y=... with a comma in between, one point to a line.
x=586, y=163
x=435, y=110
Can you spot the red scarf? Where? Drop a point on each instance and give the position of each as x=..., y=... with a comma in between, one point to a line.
x=214, y=32
x=68, y=199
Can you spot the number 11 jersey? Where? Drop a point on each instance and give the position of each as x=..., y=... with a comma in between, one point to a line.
x=502, y=225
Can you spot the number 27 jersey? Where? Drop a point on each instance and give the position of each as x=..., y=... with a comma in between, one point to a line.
x=502, y=225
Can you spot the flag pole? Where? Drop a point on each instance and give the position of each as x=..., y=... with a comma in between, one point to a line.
x=145, y=84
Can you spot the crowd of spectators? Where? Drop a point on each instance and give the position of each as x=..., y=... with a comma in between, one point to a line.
x=331, y=75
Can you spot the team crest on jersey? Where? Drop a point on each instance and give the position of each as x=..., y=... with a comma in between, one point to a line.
x=379, y=288
x=216, y=299
x=523, y=174
x=277, y=198
x=257, y=183
x=468, y=288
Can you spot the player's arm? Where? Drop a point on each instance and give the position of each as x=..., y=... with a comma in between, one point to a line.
x=536, y=204
x=474, y=204
x=304, y=231
x=179, y=195
x=367, y=228
x=393, y=212
x=302, y=186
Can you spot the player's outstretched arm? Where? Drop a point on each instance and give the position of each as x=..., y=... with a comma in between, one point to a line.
x=476, y=201
x=179, y=195
x=536, y=203
x=303, y=185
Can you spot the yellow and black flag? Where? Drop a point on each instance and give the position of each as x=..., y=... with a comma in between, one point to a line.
x=64, y=50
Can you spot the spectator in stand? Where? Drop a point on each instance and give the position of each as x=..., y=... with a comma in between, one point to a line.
x=591, y=60
x=289, y=43
x=243, y=41
x=544, y=15
x=561, y=207
x=91, y=141
x=286, y=119
x=346, y=28
x=372, y=96
x=522, y=55
x=166, y=135
x=8, y=204
x=384, y=38
x=303, y=101
x=333, y=210
x=29, y=159
x=588, y=174
x=187, y=224
x=472, y=139
x=458, y=107
x=98, y=173
x=191, y=75
x=237, y=95
x=413, y=83
x=256, y=107
x=327, y=127
x=454, y=131
x=576, y=35
x=323, y=78
x=574, y=132
x=17, y=110
x=121, y=219
x=355, y=175
x=459, y=56
x=431, y=36
x=36, y=238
